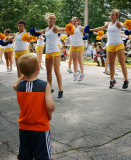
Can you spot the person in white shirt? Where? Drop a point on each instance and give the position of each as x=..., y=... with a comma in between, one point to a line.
x=20, y=45
x=8, y=51
x=115, y=46
x=39, y=49
x=53, y=51
x=1, y=54
x=77, y=48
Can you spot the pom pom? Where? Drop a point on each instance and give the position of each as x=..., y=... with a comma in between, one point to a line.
x=37, y=34
x=28, y=38
x=10, y=42
x=87, y=29
x=127, y=32
x=91, y=32
x=24, y=37
x=7, y=37
x=64, y=37
x=85, y=37
x=127, y=23
x=100, y=33
x=2, y=43
x=33, y=32
x=69, y=29
x=34, y=38
x=98, y=38
x=129, y=36
x=2, y=36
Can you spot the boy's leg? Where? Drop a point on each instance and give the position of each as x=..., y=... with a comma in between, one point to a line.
x=40, y=144
x=25, y=152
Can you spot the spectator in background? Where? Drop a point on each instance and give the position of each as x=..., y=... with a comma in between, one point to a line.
x=63, y=53
x=1, y=54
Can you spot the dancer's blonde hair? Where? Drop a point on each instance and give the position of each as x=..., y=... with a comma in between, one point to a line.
x=75, y=18
x=48, y=15
x=116, y=11
x=7, y=30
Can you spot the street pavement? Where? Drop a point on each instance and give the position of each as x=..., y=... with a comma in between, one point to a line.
x=90, y=122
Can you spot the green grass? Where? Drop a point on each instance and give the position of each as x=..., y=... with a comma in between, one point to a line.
x=128, y=63
x=89, y=61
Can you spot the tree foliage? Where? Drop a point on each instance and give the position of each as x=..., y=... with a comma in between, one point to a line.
x=33, y=12
x=126, y=4
x=98, y=13
x=123, y=5
x=68, y=9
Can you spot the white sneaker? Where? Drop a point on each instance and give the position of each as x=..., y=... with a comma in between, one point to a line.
x=8, y=69
x=81, y=77
x=11, y=69
x=116, y=74
x=106, y=72
x=69, y=70
x=75, y=76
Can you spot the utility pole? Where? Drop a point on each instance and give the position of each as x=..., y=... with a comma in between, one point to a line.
x=86, y=20
x=86, y=13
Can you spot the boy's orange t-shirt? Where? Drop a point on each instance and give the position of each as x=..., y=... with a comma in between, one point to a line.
x=33, y=112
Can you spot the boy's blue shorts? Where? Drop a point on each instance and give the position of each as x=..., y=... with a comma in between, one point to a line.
x=34, y=144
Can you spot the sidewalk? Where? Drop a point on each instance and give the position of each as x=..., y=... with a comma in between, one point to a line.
x=90, y=122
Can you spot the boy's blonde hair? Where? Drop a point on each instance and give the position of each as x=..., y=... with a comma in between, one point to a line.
x=27, y=64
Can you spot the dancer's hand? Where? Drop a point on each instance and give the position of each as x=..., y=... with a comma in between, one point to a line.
x=41, y=31
x=11, y=38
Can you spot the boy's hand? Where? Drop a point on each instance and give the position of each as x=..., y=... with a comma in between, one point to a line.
x=49, y=101
x=16, y=83
x=50, y=116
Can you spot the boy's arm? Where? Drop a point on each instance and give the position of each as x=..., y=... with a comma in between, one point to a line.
x=49, y=101
x=16, y=83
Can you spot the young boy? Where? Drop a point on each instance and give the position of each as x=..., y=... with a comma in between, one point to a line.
x=36, y=107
